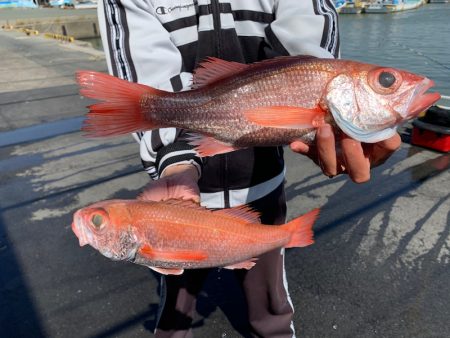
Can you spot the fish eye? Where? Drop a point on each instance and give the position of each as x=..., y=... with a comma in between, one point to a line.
x=386, y=79
x=97, y=220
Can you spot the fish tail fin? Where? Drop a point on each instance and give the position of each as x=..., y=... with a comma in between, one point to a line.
x=301, y=229
x=120, y=111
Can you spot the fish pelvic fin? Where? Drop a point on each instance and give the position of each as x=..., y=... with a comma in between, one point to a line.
x=286, y=117
x=120, y=110
x=172, y=255
x=301, y=230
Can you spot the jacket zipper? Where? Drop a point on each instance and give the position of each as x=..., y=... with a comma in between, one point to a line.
x=215, y=8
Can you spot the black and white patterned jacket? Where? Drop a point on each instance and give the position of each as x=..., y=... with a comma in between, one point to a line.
x=160, y=42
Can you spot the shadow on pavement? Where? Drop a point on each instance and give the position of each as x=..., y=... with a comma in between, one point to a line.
x=18, y=315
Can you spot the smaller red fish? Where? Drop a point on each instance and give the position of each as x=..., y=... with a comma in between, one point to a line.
x=173, y=235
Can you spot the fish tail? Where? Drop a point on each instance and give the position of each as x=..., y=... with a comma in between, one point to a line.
x=301, y=228
x=120, y=110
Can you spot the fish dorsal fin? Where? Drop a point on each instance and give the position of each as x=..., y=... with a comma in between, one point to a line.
x=241, y=213
x=184, y=203
x=214, y=69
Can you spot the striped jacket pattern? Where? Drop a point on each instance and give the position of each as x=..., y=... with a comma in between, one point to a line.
x=160, y=43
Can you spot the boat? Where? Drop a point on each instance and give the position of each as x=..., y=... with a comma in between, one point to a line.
x=19, y=4
x=391, y=6
x=353, y=7
x=339, y=4
x=60, y=3
x=77, y=4
x=81, y=4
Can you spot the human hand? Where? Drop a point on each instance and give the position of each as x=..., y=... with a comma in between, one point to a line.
x=177, y=182
x=350, y=156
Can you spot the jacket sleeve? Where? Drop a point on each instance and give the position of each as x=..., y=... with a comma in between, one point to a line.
x=139, y=49
x=305, y=27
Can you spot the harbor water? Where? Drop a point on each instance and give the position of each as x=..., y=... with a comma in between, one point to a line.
x=416, y=40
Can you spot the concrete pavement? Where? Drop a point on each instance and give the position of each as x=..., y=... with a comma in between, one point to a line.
x=379, y=267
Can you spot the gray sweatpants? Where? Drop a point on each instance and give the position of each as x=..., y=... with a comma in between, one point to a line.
x=270, y=309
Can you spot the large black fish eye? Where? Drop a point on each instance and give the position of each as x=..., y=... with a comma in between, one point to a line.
x=386, y=79
x=97, y=220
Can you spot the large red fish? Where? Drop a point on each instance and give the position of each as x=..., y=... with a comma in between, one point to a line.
x=267, y=103
x=173, y=235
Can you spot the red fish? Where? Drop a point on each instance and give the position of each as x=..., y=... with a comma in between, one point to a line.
x=272, y=102
x=173, y=235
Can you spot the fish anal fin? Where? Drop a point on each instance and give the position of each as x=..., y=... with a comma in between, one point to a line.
x=166, y=271
x=213, y=69
x=286, y=117
x=247, y=265
x=242, y=213
x=172, y=255
x=208, y=146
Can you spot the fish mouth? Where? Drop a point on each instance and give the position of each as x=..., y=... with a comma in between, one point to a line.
x=421, y=100
x=79, y=233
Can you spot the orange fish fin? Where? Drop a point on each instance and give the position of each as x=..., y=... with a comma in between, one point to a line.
x=247, y=265
x=213, y=69
x=242, y=213
x=120, y=111
x=301, y=229
x=208, y=146
x=185, y=203
x=171, y=255
x=165, y=271
x=286, y=117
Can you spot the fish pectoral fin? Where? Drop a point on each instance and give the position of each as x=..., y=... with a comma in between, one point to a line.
x=208, y=146
x=172, y=255
x=286, y=117
x=247, y=265
x=165, y=271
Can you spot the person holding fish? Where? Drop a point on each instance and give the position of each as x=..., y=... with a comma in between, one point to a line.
x=161, y=44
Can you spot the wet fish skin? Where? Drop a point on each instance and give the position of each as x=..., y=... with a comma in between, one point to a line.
x=170, y=236
x=268, y=103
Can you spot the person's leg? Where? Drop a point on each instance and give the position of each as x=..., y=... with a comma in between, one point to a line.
x=178, y=301
x=270, y=309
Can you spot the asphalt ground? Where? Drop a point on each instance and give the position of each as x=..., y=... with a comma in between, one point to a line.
x=379, y=267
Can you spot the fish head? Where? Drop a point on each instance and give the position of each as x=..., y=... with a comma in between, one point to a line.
x=368, y=102
x=106, y=226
